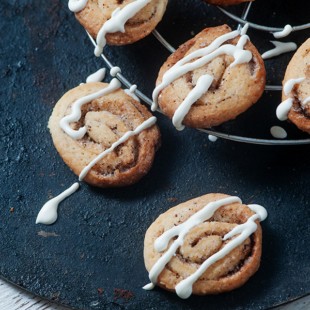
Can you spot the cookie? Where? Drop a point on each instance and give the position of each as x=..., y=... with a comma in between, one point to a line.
x=101, y=123
x=202, y=246
x=96, y=13
x=296, y=89
x=227, y=2
x=210, y=79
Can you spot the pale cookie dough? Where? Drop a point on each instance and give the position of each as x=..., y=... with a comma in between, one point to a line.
x=96, y=13
x=201, y=242
x=107, y=119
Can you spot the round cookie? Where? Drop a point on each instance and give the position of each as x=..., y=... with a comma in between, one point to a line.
x=226, y=2
x=106, y=119
x=203, y=241
x=96, y=13
x=299, y=67
x=233, y=90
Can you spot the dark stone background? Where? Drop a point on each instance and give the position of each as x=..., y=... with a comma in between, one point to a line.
x=95, y=247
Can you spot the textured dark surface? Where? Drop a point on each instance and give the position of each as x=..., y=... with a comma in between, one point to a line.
x=95, y=247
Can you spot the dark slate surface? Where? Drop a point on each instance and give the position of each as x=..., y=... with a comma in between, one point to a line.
x=95, y=248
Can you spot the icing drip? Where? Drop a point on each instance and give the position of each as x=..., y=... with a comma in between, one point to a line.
x=75, y=114
x=98, y=76
x=146, y=124
x=204, y=55
x=77, y=5
x=283, y=109
x=280, y=48
x=212, y=138
x=203, y=84
x=48, y=213
x=117, y=22
x=278, y=132
x=242, y=232
x=285, y=32
x=306, y=101
x=115, y=70
x=131, y=92
x=285, y=106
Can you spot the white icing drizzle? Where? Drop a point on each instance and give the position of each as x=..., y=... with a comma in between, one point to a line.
x=204, y=55
x=278, y=132
x=290, y=84
x=131, y=92
x=117, y=22
x=306, y=101
x=48, y=213
x=285, y=106
x=212, y=138
x=242, y=232
x=280, y=48
x=283, y=109
x=146, y=124
x=97, y=76
x=77, y=5
x=115, y=70
x=203, y=84
x=75, y=114
x=285, y=32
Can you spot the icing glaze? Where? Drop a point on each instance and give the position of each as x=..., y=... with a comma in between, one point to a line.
x=146, y=124
x=204, y=55
x=115, y=70
x=306, y=101
x=240, y=233
x=285, y=106
x=203, y=84
x=77, y=5
x=131, y=92
x=97, y=76
x=280, y=48
x=48, y=214
x=285, y=32
x=278, y=132
x=290, y=84
x=212, y=138
x=117, y=22
x=75, y=114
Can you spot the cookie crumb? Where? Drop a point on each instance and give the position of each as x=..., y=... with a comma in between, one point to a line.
x=122, y=294
x=12, y=210
x=100, y=290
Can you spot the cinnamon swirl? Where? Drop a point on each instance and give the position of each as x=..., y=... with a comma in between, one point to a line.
x=210, y=79
x=96, y=13
x=100, y=123
x=207, y=245
x=296, y=89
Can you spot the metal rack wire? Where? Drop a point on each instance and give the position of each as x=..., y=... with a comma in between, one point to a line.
x=241, y=20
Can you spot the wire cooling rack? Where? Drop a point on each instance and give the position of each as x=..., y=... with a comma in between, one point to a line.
x=241, y=21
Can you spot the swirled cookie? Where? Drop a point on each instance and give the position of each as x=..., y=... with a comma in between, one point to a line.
x=296, y=88
x=210, y=79
x=96, y=13
x=207, y=245
x=226, y=2
x=104, y=120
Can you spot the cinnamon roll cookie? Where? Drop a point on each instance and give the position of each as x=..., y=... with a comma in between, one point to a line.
x=226, y=2
x=207, y=245
x=210, y=79
x=104, y=135
x=295, y=104
x=120, y=22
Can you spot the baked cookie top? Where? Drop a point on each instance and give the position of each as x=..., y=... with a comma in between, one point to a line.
x=296, y=88
x=102, y=122
x=195, y=247
x=96, y=13
x=219, y=72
